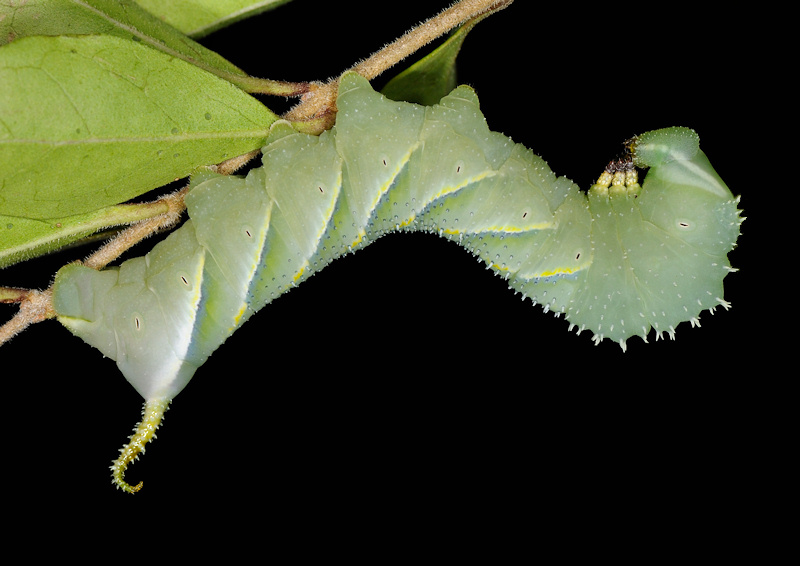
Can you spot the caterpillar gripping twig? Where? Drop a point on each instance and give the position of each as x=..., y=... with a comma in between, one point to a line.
x=617, y=261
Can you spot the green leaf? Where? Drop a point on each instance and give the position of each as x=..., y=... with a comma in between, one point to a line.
x=24, y=238
x=200, y=17
x=121, y=18
x=432, y=77
x=91, y=121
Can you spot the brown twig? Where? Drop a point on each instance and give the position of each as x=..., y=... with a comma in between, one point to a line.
x=317, y=109
x=34, y=306
x=135, y=233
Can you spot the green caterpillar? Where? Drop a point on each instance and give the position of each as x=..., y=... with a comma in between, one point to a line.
x=618, y=261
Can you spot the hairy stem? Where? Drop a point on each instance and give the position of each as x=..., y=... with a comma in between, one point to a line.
x=317, y=109
x=139, y=231
x=254, y=85
x=34, y=306
x=230, y=166
x=13, y=294
x=427, y=31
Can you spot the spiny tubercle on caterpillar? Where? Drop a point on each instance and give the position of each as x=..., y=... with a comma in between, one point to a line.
x=618, y=260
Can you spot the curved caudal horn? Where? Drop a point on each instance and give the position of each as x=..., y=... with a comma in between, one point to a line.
x=144, y=432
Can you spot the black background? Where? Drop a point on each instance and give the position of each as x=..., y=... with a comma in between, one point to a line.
x=405, y=391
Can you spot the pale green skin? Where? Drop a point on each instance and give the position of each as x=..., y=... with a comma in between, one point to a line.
x=617, y=265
